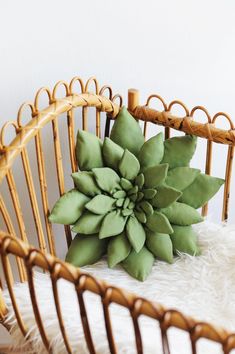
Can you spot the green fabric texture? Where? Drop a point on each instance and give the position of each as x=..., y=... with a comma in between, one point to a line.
x=152, y=152
x=92, y=250
x=126, y=132
x=202, y=189
x=88, y=223
x=68, y=208
x=182, y=214
x=85, y=183
x=88, y=151
x=160, y=245
x=181, y=177
x=184, y=239
x=139, y=198
x=139, y=265
x=178, y=151
x=118, y=249
x=129, y=166
x=112, y=153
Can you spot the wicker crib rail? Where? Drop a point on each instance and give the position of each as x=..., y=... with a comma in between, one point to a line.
x=108, y=294
x=14, y=220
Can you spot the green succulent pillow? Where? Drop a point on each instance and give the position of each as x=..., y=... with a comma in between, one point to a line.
x=133, y=200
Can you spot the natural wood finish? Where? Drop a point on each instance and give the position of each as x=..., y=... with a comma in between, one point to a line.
x=138, y=306
x=27, y=257
x=188, y=125
x=60, y=106
x=11, y=231
x=185, y=124
x=133, y=99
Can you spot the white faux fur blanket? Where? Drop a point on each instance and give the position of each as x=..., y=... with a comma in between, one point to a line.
x=202, y=287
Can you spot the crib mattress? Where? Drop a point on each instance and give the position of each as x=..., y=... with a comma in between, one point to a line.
x=202, y=287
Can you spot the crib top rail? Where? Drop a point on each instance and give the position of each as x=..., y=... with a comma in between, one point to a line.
x=86, y=98
x=56, y=107
x=186, y=124
x=83, y=281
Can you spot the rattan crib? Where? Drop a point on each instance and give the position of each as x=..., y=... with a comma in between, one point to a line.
x=14, y=239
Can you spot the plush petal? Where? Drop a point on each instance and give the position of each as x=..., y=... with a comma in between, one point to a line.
x=140, y=215
x=88, y=223
x=151, y=152
x=139, y=265
x=85, y=250
x=88, y=151
x=129, y=165
x=118, y=249
x=182, y=214
x=165, y=196
x=146, y=207
x=100, y=204
x=181, y=177
x=68, y=208
x=106, y=178
x=140, y=196
x=158, y=222
x=119, y=194
x=120, y=202
x=126, y=132
x=184, y=239
x=127, y=212
x=133, y=190
x=178, y=151
x=135, y=233
x=160, y=245
x=139, y=181
x=112, y=225
x=156, y=175
x=85, y=183
x=131, y=205
x=112, y=153
x=126, y=185
x=201, y=190
x=149, y=193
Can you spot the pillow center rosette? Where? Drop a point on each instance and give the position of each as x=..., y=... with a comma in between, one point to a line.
x=134, y=200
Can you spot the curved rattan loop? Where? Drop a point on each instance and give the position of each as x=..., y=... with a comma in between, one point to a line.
x=222, y=114
x=89, y=82
x=12, y=123
x=117, y=96
x=29, y=263
x=106, y=88
x=54, y=278
x=73, y=81
x=58, y=107
x=106, y=300
x=166, y=320
x=38, y=95
x=126, y=301
x=159, y=98
x=20, y=111
x=57, y=85
x=201, y=327
x=229, y=343
x=203, y=109
x=173, y=103
x=80, y=285
x=7, y=268
x=8, y=239
x=135, y=313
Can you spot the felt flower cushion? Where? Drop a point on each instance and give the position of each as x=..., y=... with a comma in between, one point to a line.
x=134, y=200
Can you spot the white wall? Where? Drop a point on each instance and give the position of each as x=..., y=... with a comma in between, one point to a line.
x=180, y=49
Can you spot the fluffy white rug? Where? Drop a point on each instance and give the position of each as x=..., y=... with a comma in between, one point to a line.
x=203, y=287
